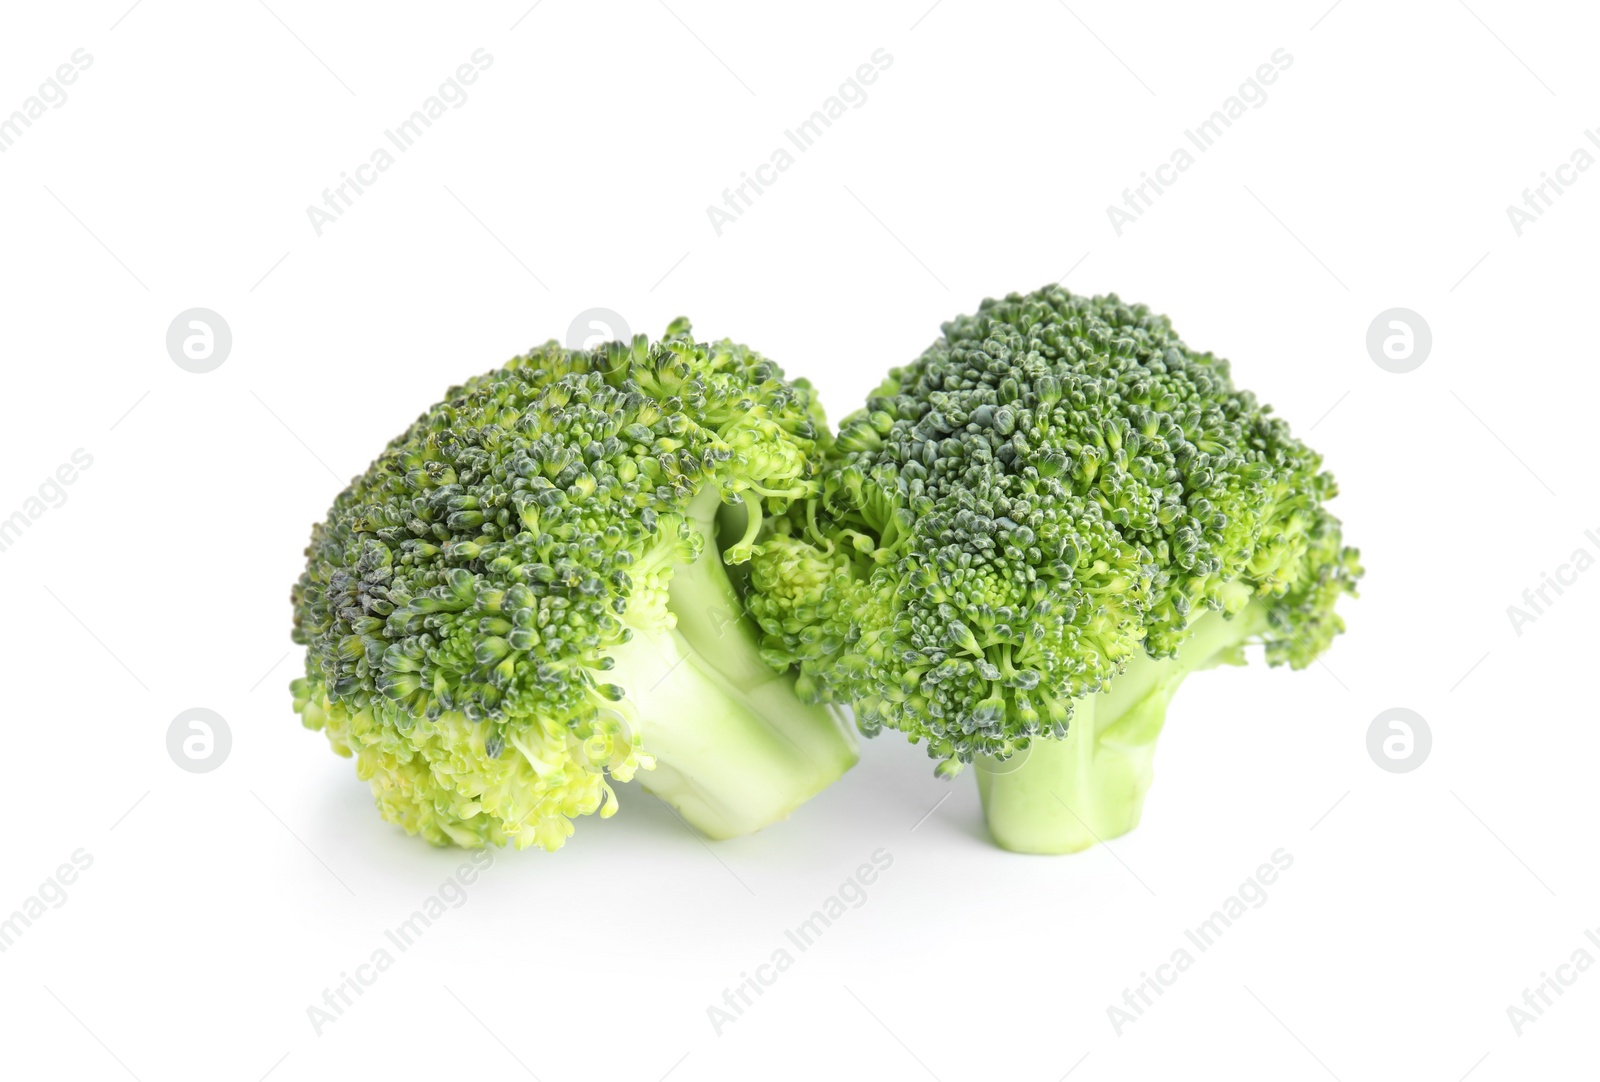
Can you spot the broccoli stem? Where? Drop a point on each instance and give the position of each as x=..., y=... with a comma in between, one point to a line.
x=735, y=747
x=1066, y=795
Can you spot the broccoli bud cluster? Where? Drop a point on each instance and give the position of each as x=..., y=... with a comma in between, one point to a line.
x=1057, y=485
x=462, y=600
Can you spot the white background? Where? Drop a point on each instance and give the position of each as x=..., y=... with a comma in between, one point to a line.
x=1376, y=174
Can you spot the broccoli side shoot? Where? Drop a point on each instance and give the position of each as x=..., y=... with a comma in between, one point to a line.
x=525, y=595
x=1030, y=535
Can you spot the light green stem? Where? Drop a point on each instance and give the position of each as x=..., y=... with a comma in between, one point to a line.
x=735, y=748
x=1061, y=796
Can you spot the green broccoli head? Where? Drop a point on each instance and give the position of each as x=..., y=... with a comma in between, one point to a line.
x=485, y=607
x=1057, y=487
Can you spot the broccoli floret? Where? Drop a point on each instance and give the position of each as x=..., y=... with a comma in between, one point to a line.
x=1027, y=539
x=524, y=595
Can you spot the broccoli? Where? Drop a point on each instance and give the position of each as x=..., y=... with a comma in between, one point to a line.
x=525, y=594
x=1030, y=536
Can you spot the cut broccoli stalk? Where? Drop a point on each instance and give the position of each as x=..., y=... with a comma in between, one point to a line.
x=735, y=748
x=1061, y=796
